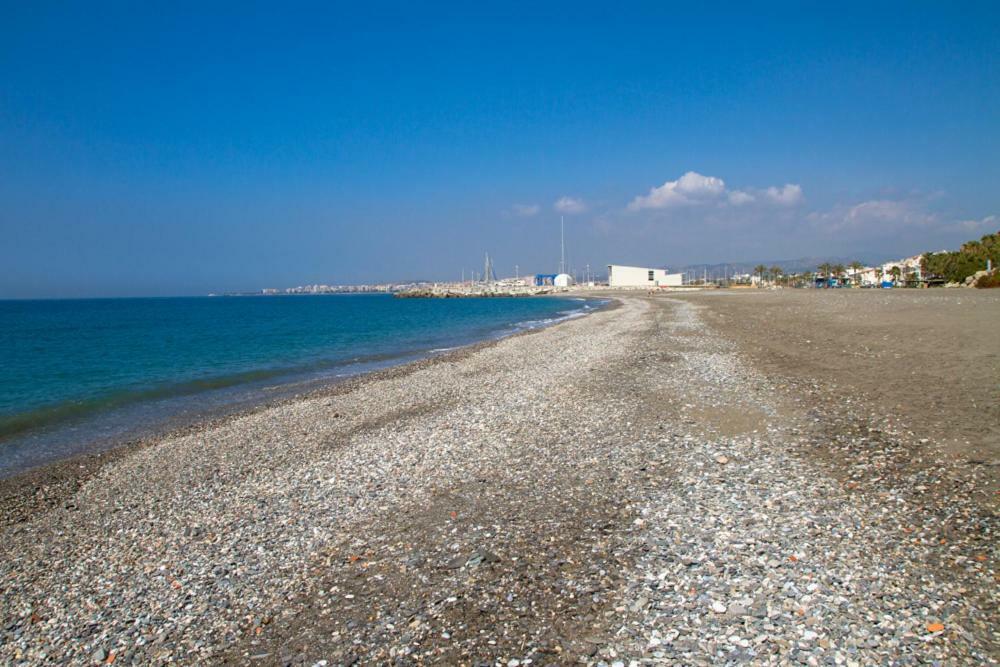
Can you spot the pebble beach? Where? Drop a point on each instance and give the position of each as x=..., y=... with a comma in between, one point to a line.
x=660, y=482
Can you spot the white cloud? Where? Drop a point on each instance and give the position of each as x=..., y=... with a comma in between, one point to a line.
x=873, y=214
x=910, y=216
x=691, y=188
x=526, y=210
x=692, y=184
x=789, y=195
x=569, y=205
x=990, y=224
x=696, y=189
x=739, y=197
x=887, y=211
x=699, y=210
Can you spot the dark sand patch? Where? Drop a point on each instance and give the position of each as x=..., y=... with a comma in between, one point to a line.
x=930, y=358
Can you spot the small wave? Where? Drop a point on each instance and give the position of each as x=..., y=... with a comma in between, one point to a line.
x=70, y=410
x=74, y=410
x=564, y=315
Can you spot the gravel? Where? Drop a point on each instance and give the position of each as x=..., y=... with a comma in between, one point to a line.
x=754, y=554
x=624, y=488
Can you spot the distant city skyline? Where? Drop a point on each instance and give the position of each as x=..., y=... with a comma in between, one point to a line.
x=187, y=150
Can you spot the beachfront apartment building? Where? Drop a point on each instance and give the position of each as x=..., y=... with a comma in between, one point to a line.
x=638, y=276
x=909, y=269
x=868, y=275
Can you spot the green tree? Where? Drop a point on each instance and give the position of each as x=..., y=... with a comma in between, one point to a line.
x=956, y=266
x=760, y=269
x=776, y=273
x=856, y=267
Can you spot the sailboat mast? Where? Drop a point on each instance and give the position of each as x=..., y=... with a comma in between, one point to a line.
x=562, y=245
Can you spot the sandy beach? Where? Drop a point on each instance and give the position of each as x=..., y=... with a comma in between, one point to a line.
x=805, y=477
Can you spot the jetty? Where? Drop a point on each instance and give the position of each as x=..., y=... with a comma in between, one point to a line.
x=489, y=286
x=473, y=290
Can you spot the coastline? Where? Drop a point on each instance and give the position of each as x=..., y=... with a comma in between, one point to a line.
x=119, y=386
x=627, y=485
x=43, y=487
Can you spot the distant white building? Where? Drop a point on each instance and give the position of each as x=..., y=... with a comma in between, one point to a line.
x=637, y=276
x=909, y=268
x=563, y=280
x=868, y=275
x=514, y=282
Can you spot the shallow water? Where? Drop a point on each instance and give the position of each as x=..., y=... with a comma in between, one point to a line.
x=80, y=374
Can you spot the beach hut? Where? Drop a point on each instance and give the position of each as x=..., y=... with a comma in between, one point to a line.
x=563, y=280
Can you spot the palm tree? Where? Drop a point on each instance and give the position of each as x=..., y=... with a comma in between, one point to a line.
x=856, y=266
x=895, y=273
x=824, y=269
x=776, y=273
x=759, y=270
x=838, y=271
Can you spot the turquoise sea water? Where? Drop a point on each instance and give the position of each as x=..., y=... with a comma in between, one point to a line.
x=75, y=374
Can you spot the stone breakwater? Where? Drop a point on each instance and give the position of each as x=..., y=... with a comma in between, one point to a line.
x=475, y=291
x=624, y=488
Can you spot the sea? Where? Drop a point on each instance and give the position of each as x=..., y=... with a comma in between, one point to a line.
x=83, y=375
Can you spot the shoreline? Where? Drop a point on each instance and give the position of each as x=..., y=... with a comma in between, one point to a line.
x=643, y=484
x=39, y=488
x=82, y=423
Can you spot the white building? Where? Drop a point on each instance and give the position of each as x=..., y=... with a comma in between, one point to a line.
x=909, y=268
x=637, y=276
x=515, y=282
x=868, y=275
x=563, y=280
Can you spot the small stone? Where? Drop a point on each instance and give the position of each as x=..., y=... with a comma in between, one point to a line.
x=737, y=610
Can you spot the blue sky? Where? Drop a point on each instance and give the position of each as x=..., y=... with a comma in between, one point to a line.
x=151, y=148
